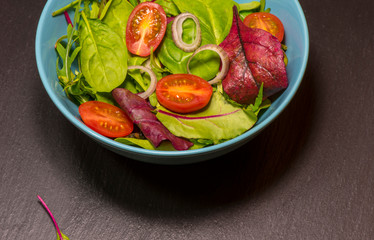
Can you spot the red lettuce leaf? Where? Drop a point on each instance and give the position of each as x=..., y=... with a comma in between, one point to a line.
x=256, y=57
x=141, y=114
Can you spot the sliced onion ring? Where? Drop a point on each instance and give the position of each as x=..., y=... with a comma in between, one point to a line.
x=177, y=30
x=152, y=85
x=224, y=59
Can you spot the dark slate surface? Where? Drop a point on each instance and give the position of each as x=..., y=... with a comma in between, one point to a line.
x=309, y=175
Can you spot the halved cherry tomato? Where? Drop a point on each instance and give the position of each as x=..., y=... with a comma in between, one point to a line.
x=183, y=93
x=266, y=21
x=145, y=28
x=106, y=119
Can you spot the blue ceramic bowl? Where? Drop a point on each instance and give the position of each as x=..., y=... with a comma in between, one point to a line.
x=297, y=40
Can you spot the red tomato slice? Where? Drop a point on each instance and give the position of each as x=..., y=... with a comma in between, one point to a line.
x=145, y=28
x=183, y=93
x=266, y=21
x=106, y=119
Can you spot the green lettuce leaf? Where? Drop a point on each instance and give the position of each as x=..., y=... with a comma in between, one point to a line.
x=146, y=144
x=218, y=121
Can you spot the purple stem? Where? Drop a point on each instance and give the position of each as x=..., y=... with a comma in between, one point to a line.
x=50, y=214
x=67, y=17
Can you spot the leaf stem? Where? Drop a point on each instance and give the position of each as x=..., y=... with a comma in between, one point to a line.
x=67, y=7
x=51, y=215
x=68, y=20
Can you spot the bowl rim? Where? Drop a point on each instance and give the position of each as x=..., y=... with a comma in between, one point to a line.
x=257, y=128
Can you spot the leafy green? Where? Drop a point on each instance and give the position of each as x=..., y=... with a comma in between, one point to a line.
x=95, y=10
x=169, y=7
x=218, y=121
x=116, y=18
x=247, y=8
x=259, y=103
x=73, y=82
x=146, y=144
x=262, y=7
x=104, y=6
x=67, y=7
x=210, y=14
x=214, y=29
x=141, y=82
x=205, y=64
x=93, y=60
x=103, y=55
x=117, y=15
x=134, y=2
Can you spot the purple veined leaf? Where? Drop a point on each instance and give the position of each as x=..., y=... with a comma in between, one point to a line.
x=141, y=113
x=256, y=58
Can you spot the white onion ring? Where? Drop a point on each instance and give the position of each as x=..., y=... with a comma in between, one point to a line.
x=177, y=30
x=152, y=85
x=224, y=59
x=147, y=63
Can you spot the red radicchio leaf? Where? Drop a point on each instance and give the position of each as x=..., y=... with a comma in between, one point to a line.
x=141, y=114
x=256, y=57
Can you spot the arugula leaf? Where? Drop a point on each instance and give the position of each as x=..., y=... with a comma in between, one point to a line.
x=73, y=83
x=67, y=7
x=103, y=55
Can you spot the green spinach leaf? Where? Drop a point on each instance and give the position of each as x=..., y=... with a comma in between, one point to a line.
x=169, y=7
x=117, y=15
x=103, y=55
x=214, y=29
x=215, y=17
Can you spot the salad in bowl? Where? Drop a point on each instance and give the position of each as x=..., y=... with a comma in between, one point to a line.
x=172, y=80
